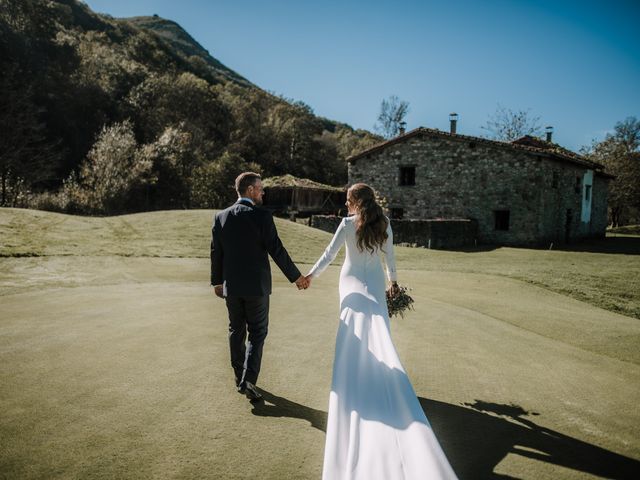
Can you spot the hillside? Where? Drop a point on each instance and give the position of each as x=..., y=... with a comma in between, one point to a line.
x=184, y=43
x=78, y=85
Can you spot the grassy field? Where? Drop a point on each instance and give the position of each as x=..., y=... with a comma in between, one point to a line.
x=113, y=355
x=604, y=273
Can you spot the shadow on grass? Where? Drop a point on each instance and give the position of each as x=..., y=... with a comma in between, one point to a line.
x=625, y=245
x=274, y=406
x=611, y=244
x=477, y=436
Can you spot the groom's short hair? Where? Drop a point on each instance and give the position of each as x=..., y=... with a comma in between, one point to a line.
x=244, y=180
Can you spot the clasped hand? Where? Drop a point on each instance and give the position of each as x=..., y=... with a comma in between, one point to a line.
x=303, y=282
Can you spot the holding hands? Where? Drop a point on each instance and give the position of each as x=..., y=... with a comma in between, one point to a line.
x=303, y=282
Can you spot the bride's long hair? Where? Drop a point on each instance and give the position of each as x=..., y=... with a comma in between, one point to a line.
x=371, y=224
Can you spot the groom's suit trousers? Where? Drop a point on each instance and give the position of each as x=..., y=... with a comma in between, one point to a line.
x=247, y=314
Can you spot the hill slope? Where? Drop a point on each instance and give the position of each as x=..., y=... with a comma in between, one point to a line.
x=184, y=43
x=69, y=74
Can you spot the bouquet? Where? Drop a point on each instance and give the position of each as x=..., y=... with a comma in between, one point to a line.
x=398, y=301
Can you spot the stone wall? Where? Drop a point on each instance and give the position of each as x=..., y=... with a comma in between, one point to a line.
x=562, y=207
x=461, y=178
x=423, y=233
x=326, y=223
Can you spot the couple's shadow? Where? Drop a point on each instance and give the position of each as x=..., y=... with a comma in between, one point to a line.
x=274, y=406
x=477, y=436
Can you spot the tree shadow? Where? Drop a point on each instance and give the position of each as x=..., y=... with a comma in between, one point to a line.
x=624, y=245
x=611, y=244
x=481, y=247
x=274, y=406
x=477, y=436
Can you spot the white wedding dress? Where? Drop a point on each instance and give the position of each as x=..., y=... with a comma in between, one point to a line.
x=376, y=427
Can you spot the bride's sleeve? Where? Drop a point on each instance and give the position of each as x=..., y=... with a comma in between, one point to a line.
x=389, y=255
x=330, y=252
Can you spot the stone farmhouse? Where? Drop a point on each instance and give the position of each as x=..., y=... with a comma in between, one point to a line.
x=526, y=192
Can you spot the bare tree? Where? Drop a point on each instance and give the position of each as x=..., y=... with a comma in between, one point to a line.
x=392, y=112
x=627, y=134
x=619, y=152
x=508, y=125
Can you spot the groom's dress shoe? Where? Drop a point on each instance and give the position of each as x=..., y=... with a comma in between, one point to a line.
x=251, y=392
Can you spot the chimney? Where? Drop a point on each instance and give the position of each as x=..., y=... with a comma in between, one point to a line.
x=549, y=130
x=453, y=119
x=403, y=126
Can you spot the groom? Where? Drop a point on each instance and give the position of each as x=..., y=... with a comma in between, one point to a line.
x=243, y=236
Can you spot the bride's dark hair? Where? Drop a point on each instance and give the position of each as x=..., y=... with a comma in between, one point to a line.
x=371, y=224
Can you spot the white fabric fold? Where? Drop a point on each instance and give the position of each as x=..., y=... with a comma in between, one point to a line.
x=376, y=428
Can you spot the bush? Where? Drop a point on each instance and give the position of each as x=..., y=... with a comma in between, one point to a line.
x=113, y=171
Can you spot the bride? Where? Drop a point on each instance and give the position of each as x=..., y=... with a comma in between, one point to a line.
x=376, y=427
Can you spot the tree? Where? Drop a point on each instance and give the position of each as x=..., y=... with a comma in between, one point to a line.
x=213, y=185
x=508, y=125
x=293, y=128
x=29, y=155
x=351, y=142
x=164, y=100
x=392, y=113
x=114, y=169
x=173, y=162
x=26, y=156
x=627, y=134
x=619, y=152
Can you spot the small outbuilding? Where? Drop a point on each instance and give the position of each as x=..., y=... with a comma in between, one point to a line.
x=301, y=197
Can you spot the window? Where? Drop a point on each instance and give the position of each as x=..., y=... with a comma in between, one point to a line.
x=587, y=192
x=554, y=180
x=407, y=176
x=501, y=219
x=397, y=213
x=578, y=184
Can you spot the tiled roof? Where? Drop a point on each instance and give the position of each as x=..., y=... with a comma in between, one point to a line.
x=526, y=143
x=535, y=142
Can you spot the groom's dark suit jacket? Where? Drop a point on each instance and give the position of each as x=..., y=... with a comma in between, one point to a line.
x=243, y=237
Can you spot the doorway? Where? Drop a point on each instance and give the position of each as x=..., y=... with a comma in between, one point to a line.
x=567, y=226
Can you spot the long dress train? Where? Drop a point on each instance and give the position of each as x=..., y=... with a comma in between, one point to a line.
x=376, y=427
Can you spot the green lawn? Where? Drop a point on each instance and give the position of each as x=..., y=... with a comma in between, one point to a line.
x=114, y=356
x=604, y=273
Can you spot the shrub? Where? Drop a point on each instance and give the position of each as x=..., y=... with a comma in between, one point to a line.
x=114, y=169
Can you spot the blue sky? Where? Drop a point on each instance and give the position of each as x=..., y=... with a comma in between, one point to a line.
x=576, y=64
